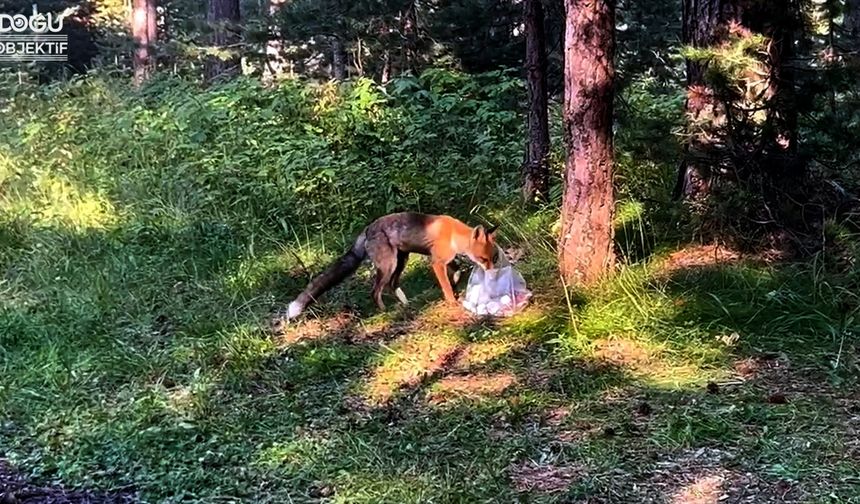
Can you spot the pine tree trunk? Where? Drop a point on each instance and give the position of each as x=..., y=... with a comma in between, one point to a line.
x=780, y=96
x=338, y=59
x=145, y=35
x=276, y=64
x=704, y=25
x=536, y=169
x=386, y=67
x=586, y=249
x=852, y=21
x=409, y=24
x=223, y=19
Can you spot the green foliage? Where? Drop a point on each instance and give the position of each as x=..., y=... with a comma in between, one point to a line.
x=728, y=64
x=324, y=155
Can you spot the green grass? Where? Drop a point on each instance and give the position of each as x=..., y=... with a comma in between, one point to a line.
x=136, y=288
x=128, y=361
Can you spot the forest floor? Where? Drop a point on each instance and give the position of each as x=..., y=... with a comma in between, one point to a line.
x=696, y=376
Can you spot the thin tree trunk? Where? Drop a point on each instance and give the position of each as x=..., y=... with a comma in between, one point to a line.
x=338, y=59
x=536, y=169
x=223, y=19
x=386, y=67
x=276, y=64
x=410, y=37
x=359, y=61
x=145, y=35
x=586, y=249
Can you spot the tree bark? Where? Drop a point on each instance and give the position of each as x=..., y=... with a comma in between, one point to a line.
x=338, y=59
x=386, y=67
x=536, y=169
x=276, y=64
x=223, y=18
x=782, y=106
x=409, y=28
x=705, y=24
x=852, y=21
x=145, y=35
x=586, y=249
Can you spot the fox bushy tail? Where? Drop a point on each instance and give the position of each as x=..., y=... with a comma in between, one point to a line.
x=345, y=266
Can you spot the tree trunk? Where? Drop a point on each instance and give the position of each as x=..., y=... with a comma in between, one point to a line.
x=780, y=97
x=223, y=19
x=704, y=26
x=586, y=249
x=536, y=169
x=409, y=26
x=338, y=59
x=276, y=64
x=852, y=21
x=145, y=35
x=386, y=67
x=741, y=170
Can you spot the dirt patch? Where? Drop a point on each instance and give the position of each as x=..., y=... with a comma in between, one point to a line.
x=710, y=476
x=555, y=417
x=761, y=366
x=704, y=490
x=470, y=386
x=621, y=352
x=699, y=256
x=15, y=489
x=543, y=478
x=337, y=326
x=776, y=375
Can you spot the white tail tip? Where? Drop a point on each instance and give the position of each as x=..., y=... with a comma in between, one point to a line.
x=294, y=310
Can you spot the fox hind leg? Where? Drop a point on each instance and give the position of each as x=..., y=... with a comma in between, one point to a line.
x=402, y=258
x=454, y=273
x=384, y=258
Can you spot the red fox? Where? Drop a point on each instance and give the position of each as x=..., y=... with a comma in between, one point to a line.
x=389, y=240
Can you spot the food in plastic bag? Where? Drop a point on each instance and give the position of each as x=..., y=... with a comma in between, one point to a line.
x=499, y=292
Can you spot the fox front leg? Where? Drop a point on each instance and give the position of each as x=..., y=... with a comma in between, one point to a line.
x=441, y=271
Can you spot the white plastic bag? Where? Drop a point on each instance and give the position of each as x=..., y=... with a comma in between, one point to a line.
x=500, y=291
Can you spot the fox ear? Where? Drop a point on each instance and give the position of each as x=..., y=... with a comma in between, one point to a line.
x=491, y=233
x=479, y=231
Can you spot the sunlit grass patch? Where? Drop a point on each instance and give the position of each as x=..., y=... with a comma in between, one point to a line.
x=479, y=386
x=479, y=353
x=341, y=325
x=54, y=201
x=408, y=361
x=628, y=322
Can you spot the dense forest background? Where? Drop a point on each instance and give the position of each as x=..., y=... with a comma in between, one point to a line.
x=677, y=181
x=662, y=61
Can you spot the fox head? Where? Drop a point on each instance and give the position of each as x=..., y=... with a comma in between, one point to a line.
x=482, y=247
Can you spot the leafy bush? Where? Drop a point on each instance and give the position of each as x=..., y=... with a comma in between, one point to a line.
x=323, y=155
